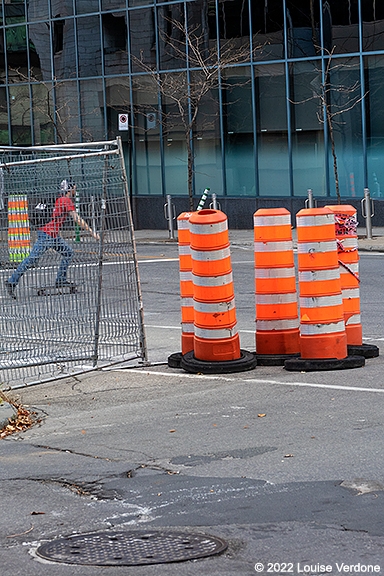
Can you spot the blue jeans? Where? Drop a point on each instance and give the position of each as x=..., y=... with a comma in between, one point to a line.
x=45, y=242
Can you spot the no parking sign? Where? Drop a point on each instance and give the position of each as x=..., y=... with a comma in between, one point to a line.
x=123, y=121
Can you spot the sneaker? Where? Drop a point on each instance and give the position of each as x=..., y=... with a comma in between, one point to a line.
x=10, y=289
x=64, y=284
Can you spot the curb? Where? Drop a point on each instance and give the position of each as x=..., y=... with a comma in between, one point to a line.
x=7, y=411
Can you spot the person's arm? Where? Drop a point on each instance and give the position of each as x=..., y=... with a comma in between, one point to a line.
x=82, y=223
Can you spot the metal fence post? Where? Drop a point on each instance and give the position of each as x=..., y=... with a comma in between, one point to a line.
x=310, y=202
x=170, y=216
x=367, y=212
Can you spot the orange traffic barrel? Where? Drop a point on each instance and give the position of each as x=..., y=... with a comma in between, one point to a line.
x=277, y=318
x=347, y=248
x=19, y=236
x=186, y=290
x=216, y=340
x=323, y=340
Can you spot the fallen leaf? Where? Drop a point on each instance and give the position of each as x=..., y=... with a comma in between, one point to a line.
x=83, y=431
x=261, y=415
x=288, y=456
x=36, y=513
x=173, y=430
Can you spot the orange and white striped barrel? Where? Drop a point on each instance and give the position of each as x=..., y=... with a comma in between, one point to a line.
x=216, y=338
x=277, y=318
x=322, y=328
x=19, y=235
x=186, y=282
x=347, y=247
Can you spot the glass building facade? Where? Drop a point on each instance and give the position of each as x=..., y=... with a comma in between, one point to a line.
x=293, y=78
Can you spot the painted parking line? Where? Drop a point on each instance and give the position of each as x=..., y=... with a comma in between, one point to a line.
x=147, y=371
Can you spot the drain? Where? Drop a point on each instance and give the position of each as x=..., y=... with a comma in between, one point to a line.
x=134, y=548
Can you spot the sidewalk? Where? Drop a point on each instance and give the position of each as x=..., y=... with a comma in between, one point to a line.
x=245, y=238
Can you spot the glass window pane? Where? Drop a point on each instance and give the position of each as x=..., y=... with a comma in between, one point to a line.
x=40, y=51
x=239, y=144
x=43, y=125
x=37, y=10
x=307, y=129
x=67, y=118
x=92, y=110
x=87, y=6
x=375, y=123
x=303, y=31
x=268, y=29
x=64, y=48
x=113, y=4
x=61, y=8
x=118, y=102
x=345, y=118
x=20, y=115
x=272, y=131
x=147, y=142
x=115, y=43
x=143, y=40
x=89, y=46
x=373, y=25
x=172, y=40
x=340, y=22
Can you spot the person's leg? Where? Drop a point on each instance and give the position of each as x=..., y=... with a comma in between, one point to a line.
x=66, y=253
x=41, y=245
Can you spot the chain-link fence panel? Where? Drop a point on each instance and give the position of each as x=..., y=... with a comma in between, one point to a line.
x=70, y=291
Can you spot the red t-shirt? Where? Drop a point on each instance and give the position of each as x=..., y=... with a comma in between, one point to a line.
x=63, y=206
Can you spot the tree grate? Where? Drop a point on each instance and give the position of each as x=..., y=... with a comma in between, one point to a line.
x=134, y=548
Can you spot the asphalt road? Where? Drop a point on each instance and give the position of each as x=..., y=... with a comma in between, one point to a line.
x=286, y=467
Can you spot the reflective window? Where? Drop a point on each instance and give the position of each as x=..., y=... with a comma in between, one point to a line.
x=303, y=31
x=272, y=131
x=87, y=6
x=340, y=22
x=89, y=46
x=373, y=25
x=268, y=29
x=61, y=8
x=37, y=10
x=91, y=112
x=64, y=48
x=67, y=123
x=43, y=124
x=143, y=38
x=374, y=66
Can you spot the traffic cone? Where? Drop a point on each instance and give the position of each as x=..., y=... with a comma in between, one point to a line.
x=277, y=320
x=347, y=248
x=216, y=340
x=323, y=340
x=186, y=290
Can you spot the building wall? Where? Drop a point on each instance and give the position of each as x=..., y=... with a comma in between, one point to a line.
x=67, y=69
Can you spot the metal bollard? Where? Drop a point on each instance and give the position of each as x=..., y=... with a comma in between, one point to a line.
x=367, y=212
x=215, y=205
x=310, y=201
x=170, y=216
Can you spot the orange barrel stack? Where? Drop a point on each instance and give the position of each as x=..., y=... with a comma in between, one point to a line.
x=216, y=340
x=186, y=289
x=19, y=235
x=347, y=248
x=323, y=340
x=277, y=318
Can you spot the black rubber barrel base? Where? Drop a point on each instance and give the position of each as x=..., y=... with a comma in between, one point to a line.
x=318, y=364
x=366, y=350
x=273, y=359
x=247, y=361
x=174, y=360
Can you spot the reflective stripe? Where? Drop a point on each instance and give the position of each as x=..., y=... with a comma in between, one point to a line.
x=214, y=307
x=348, y=242
x=283, y=246
x=186, y=276
x=263, y=325
x=353, y=267
x=209, y=228
x=276, y=298
x=307, y=247
x=319, y=275
x=315, y=329
x=321, y=301
x=208, y=255
x=355, y=319
x=183, y=224
x=351, y=293
x=215, y=334
x=187, y=328
x=184, y=250
x=187, y=302
x=266, y=273
x=212, y=280
x=272, y=220
x=320, y=220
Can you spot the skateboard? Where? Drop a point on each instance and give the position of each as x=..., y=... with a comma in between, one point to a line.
x=55, y=290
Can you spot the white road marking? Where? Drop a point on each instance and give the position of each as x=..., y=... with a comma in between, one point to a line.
x=147, y=371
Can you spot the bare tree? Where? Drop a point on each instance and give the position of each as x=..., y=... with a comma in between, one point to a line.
x=334, y=100
x=204, y=66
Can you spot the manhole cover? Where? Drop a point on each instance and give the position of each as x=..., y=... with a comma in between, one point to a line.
x=133, y=548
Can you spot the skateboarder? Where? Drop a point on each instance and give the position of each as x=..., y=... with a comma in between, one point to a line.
x=48, y=238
